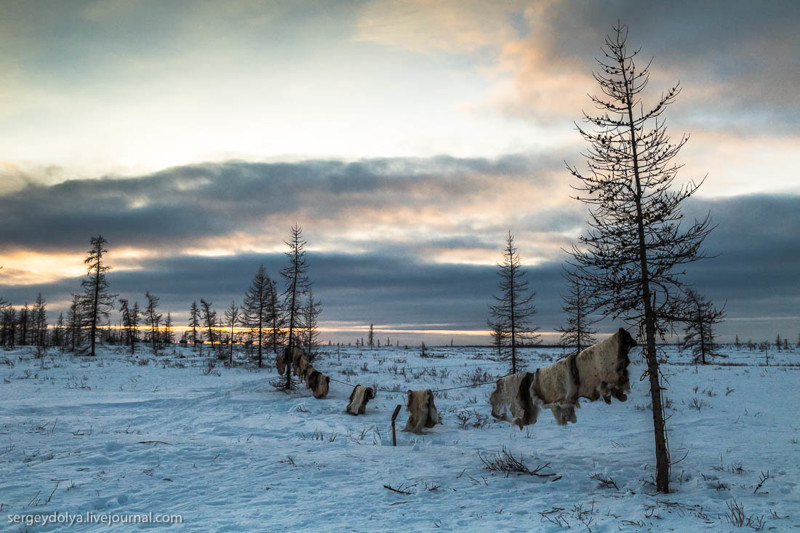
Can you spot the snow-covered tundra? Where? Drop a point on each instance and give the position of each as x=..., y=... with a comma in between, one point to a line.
x=182, y=438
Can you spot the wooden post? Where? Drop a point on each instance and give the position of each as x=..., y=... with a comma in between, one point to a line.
x=394, y=417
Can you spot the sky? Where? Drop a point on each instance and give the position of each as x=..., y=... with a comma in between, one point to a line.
x=405, y=137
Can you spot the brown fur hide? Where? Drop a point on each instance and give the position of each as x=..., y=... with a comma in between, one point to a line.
x=423, y=411
x=358, y=400
x=511, y=400
x=555, y=388
x=317, y=382
x=598, y=371
x=280, y=362
x=603, y=368
x=299, y=362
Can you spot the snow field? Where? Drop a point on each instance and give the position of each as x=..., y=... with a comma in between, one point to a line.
x=221, y=447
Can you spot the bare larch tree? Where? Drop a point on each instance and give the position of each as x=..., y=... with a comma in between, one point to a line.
x=194, y=324
x=74, y=322
x=510, y=318
x=152, y=319
x=96, y=301
x=578, y=330
x=699, y=330
x=310, y=315
x=295, y=275
x=130, y=321
x=39, y=320
x=168, y=335
x=259, y=310
x=632, y=252
x=210, y=320
x=232, y=316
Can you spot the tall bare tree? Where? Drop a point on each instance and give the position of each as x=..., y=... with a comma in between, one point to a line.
x=96, y=302
x=209, y=318
x=24, y=325
x=130, y=322
x=632, y=252
x=275, y=317
x=498, y=338
x=295, y=275
x=310, y=314
x=57, y=337
x=74, y=322
x=578, y=330
x=261, y=312
x=699, y=330
x=510, y=318
x=194, y=323
x=8, y=331
x=231, y=323
x=168, y=335
x=39, y=320
x=152, y=319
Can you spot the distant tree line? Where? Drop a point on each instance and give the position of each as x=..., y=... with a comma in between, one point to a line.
x=264, y=321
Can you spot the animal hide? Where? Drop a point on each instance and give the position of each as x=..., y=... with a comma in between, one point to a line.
x=358, y=400
x=555, y=387
x=603, y=368
x=511, y=400
x=299, y=362
x=423, y=411
x=280, y=362
x=317, y=382
x=598, y=371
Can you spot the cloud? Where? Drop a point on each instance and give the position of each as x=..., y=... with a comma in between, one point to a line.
x=752, y=271
x=736, y=60
x=451, y=26
x=238, y=207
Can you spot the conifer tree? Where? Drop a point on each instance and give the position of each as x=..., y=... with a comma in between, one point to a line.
x=74, y=322
x=209, y=317
x=58, y=333
x=152, y=319
x=578, y=331
x=130, y=322
x=231, y=323
x=194, y=323
x=168, y=336
x=261, y=312
x=39, y=319
x=634, y=247
x=96, y=302
x=295, y=275
x=510, y=318
x=310, y=313
x=699, y=331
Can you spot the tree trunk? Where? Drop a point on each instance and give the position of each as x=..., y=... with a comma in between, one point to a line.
x=659, y=426
x=513, y=318
x=95, y=303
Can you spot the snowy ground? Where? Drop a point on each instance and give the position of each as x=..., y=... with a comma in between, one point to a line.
x=116, y=436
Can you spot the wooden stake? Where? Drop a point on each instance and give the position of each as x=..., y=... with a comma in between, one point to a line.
x=394, y=417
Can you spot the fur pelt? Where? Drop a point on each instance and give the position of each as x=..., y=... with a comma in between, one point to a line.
x=598, y=371
x=317, y=382
x=358, y=400
x=603, y=368
x=555, y=387
x=511, y=400
x=299, y=362
x=280, y=362
x=423, y=411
